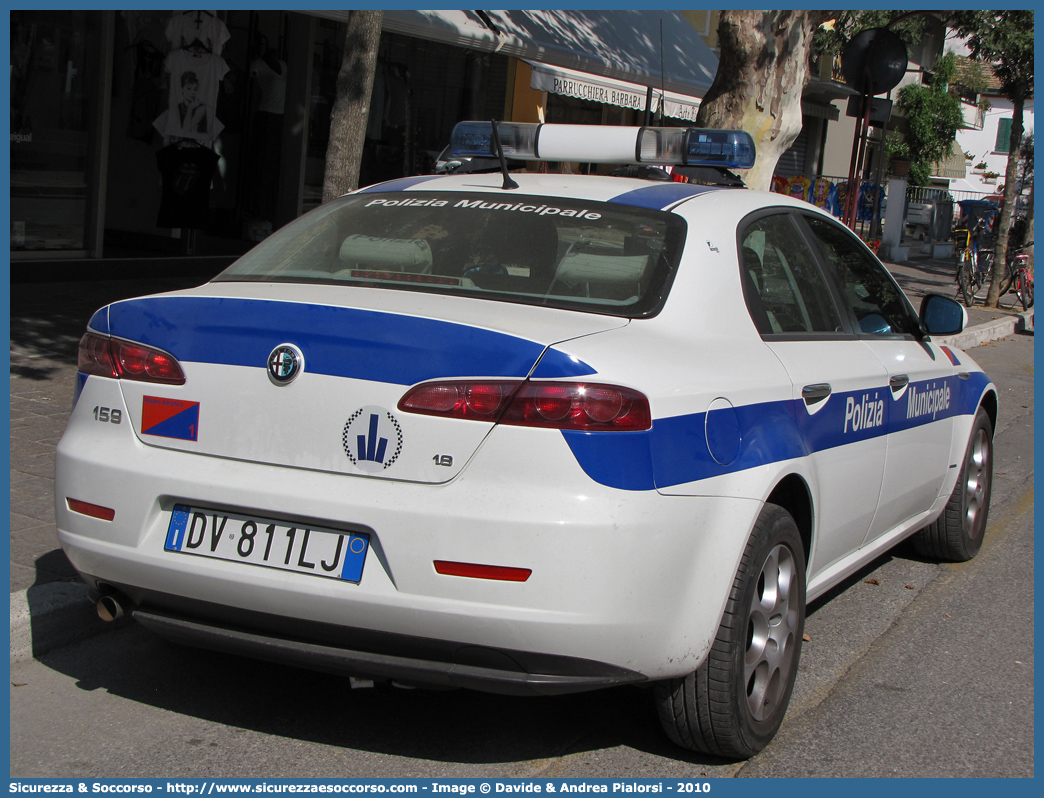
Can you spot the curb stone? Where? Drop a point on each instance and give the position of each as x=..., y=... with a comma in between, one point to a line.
x=990, y=331
x=55, y=614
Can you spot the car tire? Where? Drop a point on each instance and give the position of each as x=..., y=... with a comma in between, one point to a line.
x=734, y=703
x=956, y=536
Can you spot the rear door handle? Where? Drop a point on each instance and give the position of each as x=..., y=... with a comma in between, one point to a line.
x=816, y=393
x=898, y=382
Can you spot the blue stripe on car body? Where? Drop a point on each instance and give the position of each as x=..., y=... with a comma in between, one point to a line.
x=99, y=322
x=384, y=349
x=336, y=341
x=674, y=451
x=661, y=195
x=81, y=380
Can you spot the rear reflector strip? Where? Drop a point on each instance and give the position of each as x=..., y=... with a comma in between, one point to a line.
x=474, y=571
x=93, y=510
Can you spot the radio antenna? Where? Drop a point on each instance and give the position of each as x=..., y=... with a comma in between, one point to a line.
x=508, y=182
x=663, y=77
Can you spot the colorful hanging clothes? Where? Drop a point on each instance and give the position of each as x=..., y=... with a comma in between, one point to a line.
x=865, y=207
x=799, y=187
x=820, y=193
x=837, y=198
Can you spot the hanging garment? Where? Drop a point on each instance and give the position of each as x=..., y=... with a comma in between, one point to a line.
x=799, y=187
x=187, y=173
x=194, y=84
x=271, y=84
x=820, y=193
x=197, y=30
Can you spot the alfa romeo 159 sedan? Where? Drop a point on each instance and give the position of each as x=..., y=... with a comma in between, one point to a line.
x=528, y=434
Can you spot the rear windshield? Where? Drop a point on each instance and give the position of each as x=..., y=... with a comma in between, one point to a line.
x=598, y=257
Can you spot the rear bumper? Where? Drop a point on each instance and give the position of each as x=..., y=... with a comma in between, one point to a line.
x=363, y=653
x=625, y=585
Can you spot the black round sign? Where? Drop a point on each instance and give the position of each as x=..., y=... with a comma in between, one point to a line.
x=874, y=61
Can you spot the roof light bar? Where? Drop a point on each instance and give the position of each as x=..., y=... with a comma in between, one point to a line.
x=475, y=139
x=732, y=149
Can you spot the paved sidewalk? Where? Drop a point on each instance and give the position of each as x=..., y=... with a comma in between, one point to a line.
x=47, y=320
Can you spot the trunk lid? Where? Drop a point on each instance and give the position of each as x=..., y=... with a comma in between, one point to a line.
x=360, y=349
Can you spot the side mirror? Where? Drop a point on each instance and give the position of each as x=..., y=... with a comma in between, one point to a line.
x=942, y=316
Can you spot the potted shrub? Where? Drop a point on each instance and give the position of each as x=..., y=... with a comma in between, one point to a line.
x=898, y=153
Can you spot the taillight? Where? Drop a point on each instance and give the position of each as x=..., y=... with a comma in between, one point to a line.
x=556, y=405
x=112, y=357
x=476, y=401
x=95, y=356
x=579, y=406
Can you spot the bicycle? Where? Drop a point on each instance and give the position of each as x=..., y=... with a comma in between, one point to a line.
x=1017, y=277
x=974, y=265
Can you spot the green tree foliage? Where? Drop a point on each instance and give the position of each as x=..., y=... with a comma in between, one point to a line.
x=933, y=117
x=832, y=40
x=1003, y=39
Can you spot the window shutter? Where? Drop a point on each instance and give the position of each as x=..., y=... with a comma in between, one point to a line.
x=1003, y=136
x=792, y=162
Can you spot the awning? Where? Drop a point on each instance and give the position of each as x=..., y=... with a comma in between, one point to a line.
x=624, y=45
x=953, y=166
x=584, y=86
x=819, y=111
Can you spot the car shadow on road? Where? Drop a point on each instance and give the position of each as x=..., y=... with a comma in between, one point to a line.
x=458, y=726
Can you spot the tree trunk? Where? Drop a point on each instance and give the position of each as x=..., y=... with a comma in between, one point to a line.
x=763, y=68
x=352, y=104
x=1003, y=224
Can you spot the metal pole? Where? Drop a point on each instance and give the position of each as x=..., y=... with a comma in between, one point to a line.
x=875, y=225
x=847, y=216
x=854, y=192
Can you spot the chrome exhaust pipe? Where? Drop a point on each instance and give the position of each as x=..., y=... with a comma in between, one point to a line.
x=110, y=607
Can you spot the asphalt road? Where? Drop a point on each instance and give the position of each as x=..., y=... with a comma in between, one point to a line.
x=912, y=668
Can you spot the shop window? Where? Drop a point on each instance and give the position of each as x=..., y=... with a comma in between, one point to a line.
x=52, y=92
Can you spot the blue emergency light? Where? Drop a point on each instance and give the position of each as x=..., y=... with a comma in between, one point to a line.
x=731, y=149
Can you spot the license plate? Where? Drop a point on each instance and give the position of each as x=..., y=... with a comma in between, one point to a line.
x=281, y=545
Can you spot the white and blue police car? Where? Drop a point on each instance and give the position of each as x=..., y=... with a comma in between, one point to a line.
x=528, y=433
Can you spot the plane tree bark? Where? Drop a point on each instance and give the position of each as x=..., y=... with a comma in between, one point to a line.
x=351, y=106
x=762, y=70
